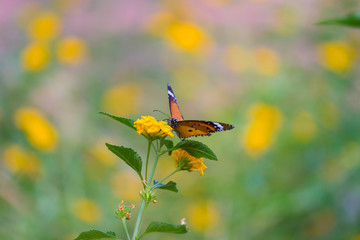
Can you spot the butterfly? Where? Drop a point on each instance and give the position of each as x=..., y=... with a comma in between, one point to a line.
x=191, y=128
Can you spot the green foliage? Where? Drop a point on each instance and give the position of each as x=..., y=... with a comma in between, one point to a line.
x=171, y=186
x=126, y=121
x=96, y=234
x=350, y=20
x=168, y=144
x=165, y=228
x=196, y=149
x=128, y=155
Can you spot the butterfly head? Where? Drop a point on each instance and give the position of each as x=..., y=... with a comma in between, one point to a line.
x=173, y=122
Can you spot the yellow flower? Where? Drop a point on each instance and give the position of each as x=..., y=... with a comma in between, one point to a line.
x=203, y=216
x=17, y=160
x=86, y=210
x=337, y=56
x=35, y=56
x=236, y=59
x=46, y=26
x=122, y=100
x=266, y=61
x=39, y=132
x=71, y=50
x=304, y=127
x=151, y=128
x=187, y=37
x=264, y=122
x=187, y=162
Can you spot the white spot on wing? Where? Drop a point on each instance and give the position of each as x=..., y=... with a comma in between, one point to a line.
x=171, y=94
x=220, y=127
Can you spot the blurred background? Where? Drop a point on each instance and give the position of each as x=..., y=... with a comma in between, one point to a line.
x=289, y=169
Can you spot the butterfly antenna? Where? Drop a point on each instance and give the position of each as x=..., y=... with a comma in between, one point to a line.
x=161, y=112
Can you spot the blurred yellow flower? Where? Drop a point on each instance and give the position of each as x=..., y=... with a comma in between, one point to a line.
x=45, y=26
x=39, y=132
x=304, y=127
x=337, y=56
x=203, y=216
x=35, y=56
x=18, y=160
x=237, y=59
x=122, y=100
x=187, y=162
x=100, y=153
x=187, y=37
x=126, y=185
x=151, y=128
x=71, y=50
x=356, y=237
x=266, y=61
x=86, y=210
x=264, y=122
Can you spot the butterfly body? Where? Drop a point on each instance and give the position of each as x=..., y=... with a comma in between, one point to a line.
x=191, y=128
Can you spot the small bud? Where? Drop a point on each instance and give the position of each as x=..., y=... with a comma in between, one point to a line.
x=121, y=205
x=128, y=216
x=154, y=202
x=132, y=206
x=183, y=221
x=144, y=182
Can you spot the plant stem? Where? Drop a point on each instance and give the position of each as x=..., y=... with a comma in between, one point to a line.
x=147, y=159
x=125, y=227
x=137, y=224
x=153, y=168
x=178, y=169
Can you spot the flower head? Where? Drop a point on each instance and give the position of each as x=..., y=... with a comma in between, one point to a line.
x=151, y=128
x=185, y=161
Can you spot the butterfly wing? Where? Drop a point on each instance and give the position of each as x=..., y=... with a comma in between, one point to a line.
x=174, y=107
x=194, y=128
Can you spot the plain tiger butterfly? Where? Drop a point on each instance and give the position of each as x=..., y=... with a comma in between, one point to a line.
x=191, y=128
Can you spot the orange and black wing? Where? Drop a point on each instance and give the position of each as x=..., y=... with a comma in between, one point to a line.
x=194, y=128
x=174, y=107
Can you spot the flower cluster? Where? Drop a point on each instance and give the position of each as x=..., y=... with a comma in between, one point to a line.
x=124, y=211
x=185, y=161
x=151, y=128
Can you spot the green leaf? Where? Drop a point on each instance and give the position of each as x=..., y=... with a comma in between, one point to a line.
x=95, y=234
x=165, y=228
x=351, y=20
x=111, y=233
x=128, y=122
x=171, y=186
x=128, y=155
x=168, y=144
x=196, y=149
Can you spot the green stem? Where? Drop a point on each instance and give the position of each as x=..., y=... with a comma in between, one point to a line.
x=153, y=168
x=178, y=169
x=125, y=227
x=147, y=159
x=138, y=220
